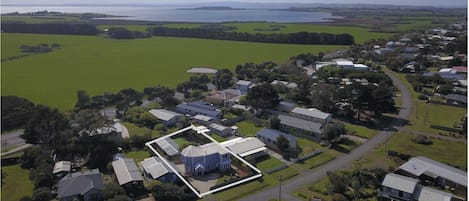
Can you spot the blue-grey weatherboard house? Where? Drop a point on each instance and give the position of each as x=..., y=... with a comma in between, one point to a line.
x=86, y=186
x=155, y=168
x=199, y=107
x=168, y=118
x=270, y=136
x=244, y=86
x=199, y=160
x=300, y=126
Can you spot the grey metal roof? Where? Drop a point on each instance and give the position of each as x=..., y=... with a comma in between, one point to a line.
x=312, y=112
x=300, y=123
x=163, y=114
x=203, y=150
x=200, y=107
x=218, y=127
x=202, y=70
x=62, y=166
x=274, y=134
x=240, y=145
x=155, y=167
x=244, y=82
x=79, y=183
x=126, y=171
x=203, y=117
x=430, y=194
x=400, y=182
x=422, y=165
x=169, y=146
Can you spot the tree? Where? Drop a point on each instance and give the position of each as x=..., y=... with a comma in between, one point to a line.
x=223, y=79
x=25, y=198
x=89, y=120
x=282, y=143
x=262, y=96
x=42, y=194
x=16, y=112
x=171, y=191
x=113, y=190
x=333, y=131
x=338, y=197
x=83, y=100
x=274, y=123
x=45, y=126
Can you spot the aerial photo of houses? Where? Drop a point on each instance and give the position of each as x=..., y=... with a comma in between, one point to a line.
x=216, y=100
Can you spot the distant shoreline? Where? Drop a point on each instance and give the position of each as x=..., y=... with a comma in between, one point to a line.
x=212, y=8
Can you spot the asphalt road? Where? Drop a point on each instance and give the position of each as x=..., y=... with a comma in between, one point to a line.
x=314, y=175
x=12, y=138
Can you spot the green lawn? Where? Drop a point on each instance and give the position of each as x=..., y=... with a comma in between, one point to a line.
x=307, y=146
x=97, y=64
x=138, y=155
x=248, y=128
x=443, y=151
x=181, y=141
x=425, y=114
x=361, y=131
x=317, y=189
x=268, y=164
x=134, y=130
x=17, y=183
x=315, y=161
x=218, y=138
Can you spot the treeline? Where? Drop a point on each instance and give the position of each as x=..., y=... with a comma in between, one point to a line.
x=41, y=48
x=50, y=28
x=123, y=33
x=292, y=38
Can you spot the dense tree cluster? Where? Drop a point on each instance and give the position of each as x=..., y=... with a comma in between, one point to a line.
x=307, y=58
x=263, y=96
x=292, y=38
x=356, y=185
x=223, y=79
x=196, y=82
x=50, y=28
x=418, y=82
x=140, y=116
x=16, y=112
x=123, y=33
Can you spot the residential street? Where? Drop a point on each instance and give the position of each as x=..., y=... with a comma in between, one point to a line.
x=314, y=175
x=12, y=138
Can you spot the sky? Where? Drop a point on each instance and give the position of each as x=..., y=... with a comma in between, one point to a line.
x=436, y=3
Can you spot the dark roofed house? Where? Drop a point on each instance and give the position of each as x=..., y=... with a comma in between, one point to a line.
x=456, y=99
x=85, y=186
x=220, y=130
x=300, y=126
x=244, y=86
x=286, y=106
x=199, y=107
x=127, y=174
x=269, y=137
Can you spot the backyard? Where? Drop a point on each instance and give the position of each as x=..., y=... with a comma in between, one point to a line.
x=17, y=183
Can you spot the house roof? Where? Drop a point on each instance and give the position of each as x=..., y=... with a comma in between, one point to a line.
x=163, y=114
x=200, y=107
x=274, y=134
x=460, y=68
x=422, y=165
x=300, y=123
x=244, y=82
x=344, y=63
x=169, y=146
x=202, y=70
x=400, y=182
x=79, y=183
x=244, y=145
x=228, y=94
x=447, y=70
x=155, y=167
x=430, y=194
x=203, y=117
x=203, y=150
x=218, y=127
x=126, y=171
x=312, y=112
x=360, y=66
x=456, y=97
x=62, y=166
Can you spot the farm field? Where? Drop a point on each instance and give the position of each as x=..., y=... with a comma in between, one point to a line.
x=99, y=65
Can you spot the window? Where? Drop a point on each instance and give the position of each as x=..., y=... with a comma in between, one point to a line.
x=401, y=194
